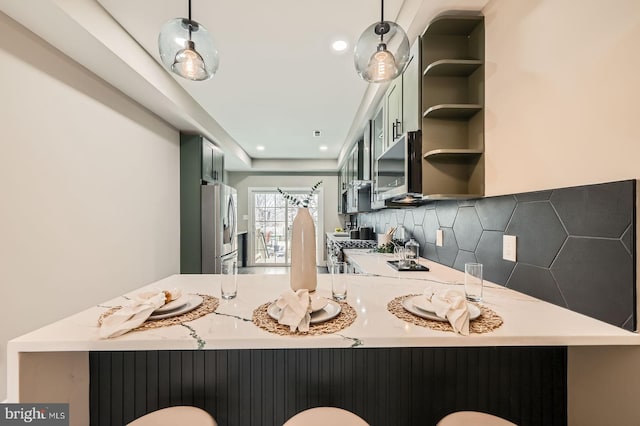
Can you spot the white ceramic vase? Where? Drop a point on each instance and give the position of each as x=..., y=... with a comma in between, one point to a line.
x=303, y=252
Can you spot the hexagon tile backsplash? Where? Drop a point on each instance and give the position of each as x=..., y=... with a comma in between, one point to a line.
x=575, y=246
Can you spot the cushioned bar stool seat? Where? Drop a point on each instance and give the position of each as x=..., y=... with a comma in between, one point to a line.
x=325, y=416
x=468, y=418
x=176, y=416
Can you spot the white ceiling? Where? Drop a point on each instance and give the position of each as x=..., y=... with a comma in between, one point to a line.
x=278, y=79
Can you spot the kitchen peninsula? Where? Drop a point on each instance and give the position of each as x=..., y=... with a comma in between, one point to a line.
x=62, y=355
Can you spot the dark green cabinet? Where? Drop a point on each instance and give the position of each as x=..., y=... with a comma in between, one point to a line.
x=200, y=161
x=411, y=91
x=393, y=108
x=355, y=172
x=377, y=148
x=212, y=162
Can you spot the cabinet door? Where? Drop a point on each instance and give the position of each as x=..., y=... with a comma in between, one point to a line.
x=364, y=162
x=218, y=165
x=393, y=104
x=212, y=162
x=411, y=91
x=354, y=164
x=377, y=146
x=378, y=134
x=207, y=161
x=341, y=188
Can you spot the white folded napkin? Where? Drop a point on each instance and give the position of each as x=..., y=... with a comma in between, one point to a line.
x=295, y=309
x=135, y=313
x=452, y=305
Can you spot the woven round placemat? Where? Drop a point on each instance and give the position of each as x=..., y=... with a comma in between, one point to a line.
x=345, y=318
x=486, y=322
x=209, y=304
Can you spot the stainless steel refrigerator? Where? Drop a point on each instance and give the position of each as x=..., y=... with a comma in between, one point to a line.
x=219, y=218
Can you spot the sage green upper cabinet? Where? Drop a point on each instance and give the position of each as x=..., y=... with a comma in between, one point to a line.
x=377, y=147
x=402, y=99
x=203, y=160
x=411, y=77
x=342, y=189
x=377, y=141
x=200, y=161
x=353, y=161
x=356, y=167
x=212, y=162
x=393, y=111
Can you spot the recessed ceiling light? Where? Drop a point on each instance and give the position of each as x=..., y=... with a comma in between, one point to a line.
x=260, y=148
x=323, y=147
x=339, y=45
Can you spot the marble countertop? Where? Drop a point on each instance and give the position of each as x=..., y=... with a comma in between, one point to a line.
x=342, y=237
x=527, y=321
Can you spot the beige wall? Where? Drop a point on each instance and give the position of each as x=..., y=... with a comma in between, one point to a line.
x=243, y=181
x=562, y=87
x=562, y=93
x=89, y=189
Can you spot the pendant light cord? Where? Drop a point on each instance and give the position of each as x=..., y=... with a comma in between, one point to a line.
x=189, y=19
x=381, y=18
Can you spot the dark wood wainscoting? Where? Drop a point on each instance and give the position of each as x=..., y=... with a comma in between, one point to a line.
x=385, y=386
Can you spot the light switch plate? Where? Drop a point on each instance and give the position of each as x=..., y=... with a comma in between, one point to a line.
x=509, y=243
x=439, y=237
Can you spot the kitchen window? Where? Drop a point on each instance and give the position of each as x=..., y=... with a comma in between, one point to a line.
x=270, y=222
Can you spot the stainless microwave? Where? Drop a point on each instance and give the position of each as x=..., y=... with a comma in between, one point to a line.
x=399, y=171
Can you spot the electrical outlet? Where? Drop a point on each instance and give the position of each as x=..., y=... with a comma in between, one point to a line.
x=439, y=237
x=509, y=243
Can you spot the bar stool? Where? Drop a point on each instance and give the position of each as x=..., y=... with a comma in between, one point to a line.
x=175, y=416
x=475, y=418
x=323, y=416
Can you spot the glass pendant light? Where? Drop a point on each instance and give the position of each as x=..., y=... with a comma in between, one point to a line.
x=187, y=49
x=382, y=52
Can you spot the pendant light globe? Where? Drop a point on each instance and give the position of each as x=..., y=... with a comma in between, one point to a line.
x=382, y=65
x=382, y=52
x=186, y=48
x=189, y=64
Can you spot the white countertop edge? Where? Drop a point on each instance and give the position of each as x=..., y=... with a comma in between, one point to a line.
x=528, y=321
x=328, y=342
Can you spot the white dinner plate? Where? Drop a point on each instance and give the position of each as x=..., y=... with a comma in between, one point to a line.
x=318, y=303
x=420, y=306
x=174, y=304
x=331, y=310
x=192, y=302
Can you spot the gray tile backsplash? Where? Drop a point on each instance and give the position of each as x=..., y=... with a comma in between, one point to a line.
x=575, y=247
x=467, y=229
x=539, y=231
x=495, y=212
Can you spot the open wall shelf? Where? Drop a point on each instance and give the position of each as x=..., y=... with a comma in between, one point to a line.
x=452, y=68
x=454, y=24
x=459, y=153
x=453, y=107
x=452, y=111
